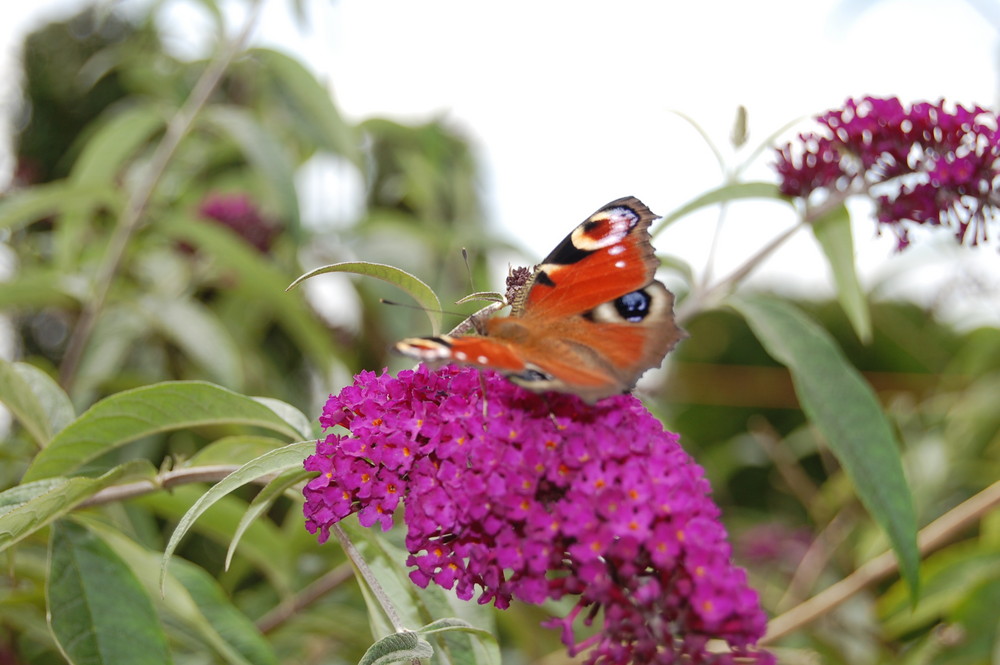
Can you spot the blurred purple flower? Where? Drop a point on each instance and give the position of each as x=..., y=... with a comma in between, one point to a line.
x=539, y=498
x=774, y=545
x=925, y=164
x=239, y=213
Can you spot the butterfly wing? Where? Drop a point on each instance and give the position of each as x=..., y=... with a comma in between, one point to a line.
x=591, y=319
x=605, y=257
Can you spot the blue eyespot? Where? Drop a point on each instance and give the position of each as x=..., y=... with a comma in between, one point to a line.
x=633, y=307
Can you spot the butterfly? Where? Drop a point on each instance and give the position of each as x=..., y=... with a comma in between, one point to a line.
x=589, y=321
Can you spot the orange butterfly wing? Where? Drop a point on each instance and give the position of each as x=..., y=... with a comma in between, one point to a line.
x=605, y=257
x=590, y=321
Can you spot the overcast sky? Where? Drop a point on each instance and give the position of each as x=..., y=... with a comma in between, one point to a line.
x=569, y=103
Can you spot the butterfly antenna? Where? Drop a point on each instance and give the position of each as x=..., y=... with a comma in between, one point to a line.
x=393, y=303
x=468, y=268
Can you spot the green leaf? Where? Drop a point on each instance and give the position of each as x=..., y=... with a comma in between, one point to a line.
x=130, y=415
x=274, y=462
x=98, y=611
x=28, y=507
x=36, y=287
x=420, y=292
x=397, y=647
x=259, y=277
x=414, y=605
x=257, y=546
x=234, y=628
x=723, y=194
x=237, y=449
x=679, y=266
x=263, y=502
x=197, y=331
x=704, y=135
x=37, y=402
x=947, y=579
x=119, y=329
x=833, y=232
x=845, y=410
x=486, y=296
x=264, y=153
x=317, y=115
x=302, y=424
x=106, y=152
x=41, y=201
x=489, y=654
x=450, y=624
x=191, y=603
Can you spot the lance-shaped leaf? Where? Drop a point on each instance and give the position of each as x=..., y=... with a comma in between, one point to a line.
x=130, y=415
x=312, y=106
x=194, y=600
x=455, y=638
x=723, y=194
x=55, y=198
x=28, y=507
x=396, y=648
x=274, y=462
x=263, y=151
x=109, y=149
x=98, y=611
x=844, y=408
x=420, y=292
x=257, y=277
x=833, y=232
x=263, y=502
x=37, y=402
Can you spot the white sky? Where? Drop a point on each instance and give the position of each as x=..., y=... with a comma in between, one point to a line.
x=568, y=103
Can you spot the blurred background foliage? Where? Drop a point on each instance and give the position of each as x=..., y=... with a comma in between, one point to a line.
x=199, y=293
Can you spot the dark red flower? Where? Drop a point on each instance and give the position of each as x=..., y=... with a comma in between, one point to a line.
x=925, y=165
x=239, y=213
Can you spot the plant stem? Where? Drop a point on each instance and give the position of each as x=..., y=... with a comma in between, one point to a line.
x=362, y=567
x=932, y=537
x=166, y=480
x=708, y=297
x=141, y=195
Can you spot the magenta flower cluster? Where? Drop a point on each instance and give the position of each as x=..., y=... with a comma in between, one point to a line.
x=536, y=497
x=240, y=214
x=923, y=165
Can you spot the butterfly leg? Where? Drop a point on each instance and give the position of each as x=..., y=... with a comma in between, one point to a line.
x=482, y=385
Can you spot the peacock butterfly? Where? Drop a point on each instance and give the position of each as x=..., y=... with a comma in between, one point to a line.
x=589, y=321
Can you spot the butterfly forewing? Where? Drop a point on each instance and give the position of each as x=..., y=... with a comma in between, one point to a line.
x=605, y=257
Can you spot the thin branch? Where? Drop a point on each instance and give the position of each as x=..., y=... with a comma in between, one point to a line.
x=814, y=561
x=303, y=599
x=701, y=299
x=932, y=537
x=798, y=481
x=164, y=481
x=706, y=298
x=138, y=202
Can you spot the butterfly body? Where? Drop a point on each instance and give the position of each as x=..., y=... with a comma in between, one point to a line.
x=591, y=319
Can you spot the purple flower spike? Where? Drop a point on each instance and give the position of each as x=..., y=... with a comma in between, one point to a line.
x=541, y=497
x=923, y=165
